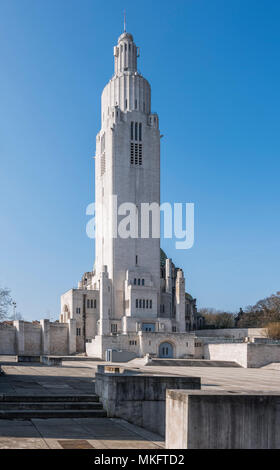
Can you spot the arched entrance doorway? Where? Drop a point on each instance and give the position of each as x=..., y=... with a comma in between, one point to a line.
x=166, y=350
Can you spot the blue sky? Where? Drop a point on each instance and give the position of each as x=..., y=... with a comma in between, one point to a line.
x=215, y=71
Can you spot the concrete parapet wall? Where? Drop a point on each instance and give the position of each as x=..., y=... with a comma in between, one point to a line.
x=139, y=399
x=246, y=354
x=219, y=420
x=237, y=333
x=236, y=352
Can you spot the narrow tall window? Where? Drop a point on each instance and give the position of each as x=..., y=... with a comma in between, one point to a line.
x=136, y=303
x=136, y=260
x=143, y=282
x=140, y=131
x=94, y=303
x=136, y=131
x=131, y=130
x=151, y=303
x=140, y=303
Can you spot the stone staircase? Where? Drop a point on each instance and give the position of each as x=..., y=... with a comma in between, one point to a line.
x=46, y=406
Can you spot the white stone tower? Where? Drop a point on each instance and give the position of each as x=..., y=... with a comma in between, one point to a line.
x=134, y=300
x=127, y=166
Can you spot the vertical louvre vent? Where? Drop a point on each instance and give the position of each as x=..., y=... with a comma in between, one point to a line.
x=103, y=164
x=103, y=161
x=135, y=145
x=132, y=153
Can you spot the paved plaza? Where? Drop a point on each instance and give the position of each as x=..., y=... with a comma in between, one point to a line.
x=77, y=377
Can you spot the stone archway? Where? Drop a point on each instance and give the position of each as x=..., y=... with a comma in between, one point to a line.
x=166, y=350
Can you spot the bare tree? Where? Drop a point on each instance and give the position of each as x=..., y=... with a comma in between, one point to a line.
x=263, y=312
x=217, y=318
x=5, y=302
x=272, y=330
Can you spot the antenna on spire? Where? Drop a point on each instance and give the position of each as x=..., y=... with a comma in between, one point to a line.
x=124, y=22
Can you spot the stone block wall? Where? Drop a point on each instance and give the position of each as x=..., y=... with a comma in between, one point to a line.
x=220, y=420
x=33, y=339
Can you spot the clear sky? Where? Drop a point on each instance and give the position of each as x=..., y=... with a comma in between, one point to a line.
x=214, y=67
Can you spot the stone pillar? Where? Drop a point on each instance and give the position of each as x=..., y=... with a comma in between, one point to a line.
x=180, y=301
x=168, y=275
x=72, y=348
x=105, y=302
x=46, y=337
x=19, y=325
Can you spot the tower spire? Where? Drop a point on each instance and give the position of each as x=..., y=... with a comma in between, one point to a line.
x=124, y=22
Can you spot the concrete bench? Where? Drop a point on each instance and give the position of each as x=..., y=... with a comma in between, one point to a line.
x=26, y=358
x=51, y=360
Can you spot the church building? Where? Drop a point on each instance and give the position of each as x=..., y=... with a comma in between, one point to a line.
x=134, y=300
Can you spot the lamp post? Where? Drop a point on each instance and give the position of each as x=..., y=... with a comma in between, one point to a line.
x=14, y=307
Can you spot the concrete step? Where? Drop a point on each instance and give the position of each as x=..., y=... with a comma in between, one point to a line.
x=80, y=358
x=48, y=398
x=47, y=414
x=191, y=363
x=51, y=406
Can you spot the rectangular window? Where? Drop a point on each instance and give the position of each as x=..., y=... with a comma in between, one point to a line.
x=143, y=282
x=88, y=305
x=135, y=281
x=94, y=303
x=147, y=304
x=174, y=329
x=136, y=260
x=139, y=282
x=136, y=131
x=91, y=303
x=140, y=303
x=114, y=328
x=131, y=130
x=151, y=303
x=140, y=131
x=136, y=303
x=78, y=310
